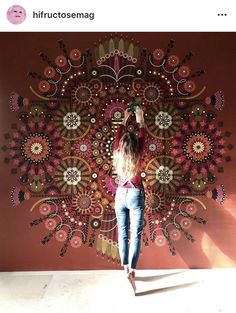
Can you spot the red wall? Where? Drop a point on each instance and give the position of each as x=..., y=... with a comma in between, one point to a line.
x=20, y=247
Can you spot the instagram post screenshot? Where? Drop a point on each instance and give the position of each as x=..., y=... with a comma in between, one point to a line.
x=118, y=162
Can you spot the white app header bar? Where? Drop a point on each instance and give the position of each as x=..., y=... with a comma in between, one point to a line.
x=122, y=15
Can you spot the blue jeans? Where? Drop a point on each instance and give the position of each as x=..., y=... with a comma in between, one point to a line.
x=129, y=208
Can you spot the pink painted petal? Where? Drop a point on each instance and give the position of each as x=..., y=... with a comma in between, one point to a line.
x=174, y=152
x=32, y=171
x=50, y=168
x=23, y=168
x=56, y=162
x=221, y=141
x=15, y=162
x=211, y=126
x=186, y=167
x=222, y=151
x=12, y=144
x=12, y=153
x=212, y=167
x=23, y=128
x=15, y=135
x=193, y=124
x=60, y=143
x=41, y=124
x=49, y=127
x=41, y=172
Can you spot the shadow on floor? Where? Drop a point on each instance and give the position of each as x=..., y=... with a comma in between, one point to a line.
x=165, y=289
x=157, y=277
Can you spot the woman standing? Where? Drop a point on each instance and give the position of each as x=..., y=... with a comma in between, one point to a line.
x=130, y=196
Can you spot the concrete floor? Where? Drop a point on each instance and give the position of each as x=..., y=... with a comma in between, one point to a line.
x=109, y=291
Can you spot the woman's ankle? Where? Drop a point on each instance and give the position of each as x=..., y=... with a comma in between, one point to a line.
x=132, y=271
x=126, y=268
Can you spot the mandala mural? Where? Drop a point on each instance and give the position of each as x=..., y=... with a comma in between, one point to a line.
x=61, y=147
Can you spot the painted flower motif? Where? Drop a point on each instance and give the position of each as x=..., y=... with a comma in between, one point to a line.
x=151, y=93
x=115, y=110
x=83, y=94
x=160, y=241
x=61, y=235
x=198, y=147
x=153, y=147
x=185, y=223
x=72, y=176
x=95, y=223
x=36, y=148
x=86, y=93
x=83, y=202
x=50, y=224
x=191, y=208
x=45, y=208
x=76, y=242
x=154, y=202
x=175, y=234
x=71, y=120
x=164, y=175
x=163, y=120
x=82, y=148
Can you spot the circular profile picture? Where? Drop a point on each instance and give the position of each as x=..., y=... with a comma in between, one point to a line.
x=16, y=14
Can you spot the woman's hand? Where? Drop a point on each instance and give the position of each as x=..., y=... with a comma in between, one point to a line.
x=139, y=116
x=127, y=115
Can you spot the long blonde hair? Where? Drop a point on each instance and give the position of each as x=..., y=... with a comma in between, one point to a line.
x=127, y=156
